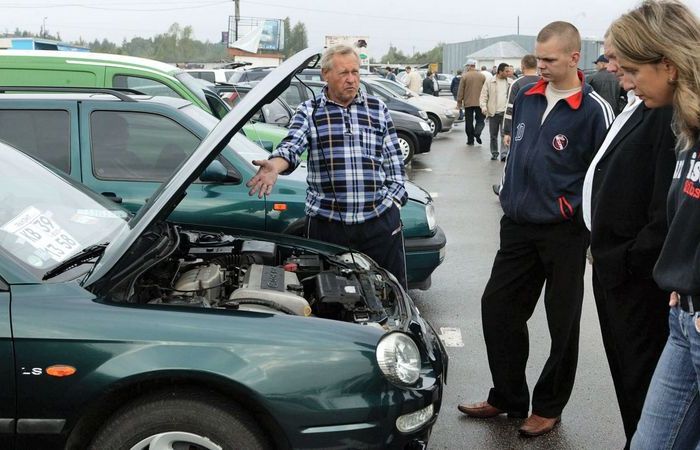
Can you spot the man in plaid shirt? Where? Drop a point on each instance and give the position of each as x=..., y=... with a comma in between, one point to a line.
x=355, y=169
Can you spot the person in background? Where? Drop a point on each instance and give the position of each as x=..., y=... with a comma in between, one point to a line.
x=493, y=101
x=487, y=73
x=658, y=48
x=429, y=84
x=468, y=98
x=413, y=80
x=528, y=63
x=390, y=74
x=436, y=85
x=606, y=84
x=624, y=206
x=454, y=88
x=355, y=169
x=558, y=126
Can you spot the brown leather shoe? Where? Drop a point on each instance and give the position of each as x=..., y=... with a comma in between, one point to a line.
x=537, y=425
x=484, y=410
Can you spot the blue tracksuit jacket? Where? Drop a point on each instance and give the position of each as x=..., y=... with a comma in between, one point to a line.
x=543, y=178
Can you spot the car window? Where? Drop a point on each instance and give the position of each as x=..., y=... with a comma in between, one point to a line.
x=204, y=75
x=137, y=146
x=44, y=134
x=292, y=97
x=276, y=113
x=145, y=85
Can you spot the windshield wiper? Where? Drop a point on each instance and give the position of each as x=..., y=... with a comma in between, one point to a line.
x=76, y=260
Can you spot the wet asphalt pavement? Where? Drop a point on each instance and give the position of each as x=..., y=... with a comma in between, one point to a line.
x=469, y=213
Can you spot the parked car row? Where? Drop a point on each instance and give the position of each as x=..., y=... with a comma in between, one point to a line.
x=151, y=305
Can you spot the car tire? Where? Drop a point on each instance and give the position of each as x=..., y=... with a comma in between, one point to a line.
x=200, y=419
x=407, y=146
x=435, y=124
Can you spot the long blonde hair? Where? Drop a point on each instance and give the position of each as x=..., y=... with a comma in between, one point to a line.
x=666, y=29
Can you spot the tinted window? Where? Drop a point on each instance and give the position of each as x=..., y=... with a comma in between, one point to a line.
x=42, y=134
x=137, y=146
x=209, y=76
x=257, y=75
x=145, y=85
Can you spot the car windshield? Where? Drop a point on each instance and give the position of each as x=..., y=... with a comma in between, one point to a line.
x=43, y=224
x=246, y=149
x=379, y=88
x=192, y=84
x=392, y=86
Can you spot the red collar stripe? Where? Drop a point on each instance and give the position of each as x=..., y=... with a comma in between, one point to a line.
x=574, y=101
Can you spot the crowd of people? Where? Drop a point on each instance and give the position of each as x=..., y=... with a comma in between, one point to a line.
x=586, y=177
x=621, y=179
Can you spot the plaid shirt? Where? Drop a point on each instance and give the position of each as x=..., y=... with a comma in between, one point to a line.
x=361, y=153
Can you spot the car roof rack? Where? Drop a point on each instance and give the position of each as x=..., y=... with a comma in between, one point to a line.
x=119, y=93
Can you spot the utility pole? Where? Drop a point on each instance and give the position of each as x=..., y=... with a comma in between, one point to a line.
x=518, y=25
x=43, y=27
x=237, y=17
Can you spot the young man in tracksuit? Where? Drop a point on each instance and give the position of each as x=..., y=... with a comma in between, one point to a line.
x=557, y=126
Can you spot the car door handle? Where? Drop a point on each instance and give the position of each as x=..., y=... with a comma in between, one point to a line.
x=112, y=196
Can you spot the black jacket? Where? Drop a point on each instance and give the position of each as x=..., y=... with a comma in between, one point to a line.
x=428, y=87
x=628, y=201
x=608, y=86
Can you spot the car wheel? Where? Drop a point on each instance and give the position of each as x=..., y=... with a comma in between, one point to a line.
x=435, y=124
x=174, y=419
x=407, y=146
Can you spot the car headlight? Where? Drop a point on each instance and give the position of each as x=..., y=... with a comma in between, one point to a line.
x=399, y=358
x=423, y=114
x=450, y=112
x=430, y=215
x=424, y=126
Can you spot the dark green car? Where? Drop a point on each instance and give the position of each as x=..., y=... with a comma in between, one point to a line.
x=121, y=331
x=125, y=146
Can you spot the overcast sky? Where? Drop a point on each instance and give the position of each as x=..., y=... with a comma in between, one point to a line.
x=410, y=25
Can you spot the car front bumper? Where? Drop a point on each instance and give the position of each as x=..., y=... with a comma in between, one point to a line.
x=423, y=255
x=424, y=140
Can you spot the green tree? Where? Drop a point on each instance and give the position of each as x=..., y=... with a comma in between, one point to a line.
x=394, y=56
x=295, y=39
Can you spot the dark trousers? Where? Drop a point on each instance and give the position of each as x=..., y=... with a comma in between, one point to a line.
x=529, y=255
x=461, y=110
x=495, y=126
x=381, y=239
x=634, y=324
x=473, y=123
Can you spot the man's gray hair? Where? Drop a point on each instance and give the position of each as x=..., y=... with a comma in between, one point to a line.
x=339, y=49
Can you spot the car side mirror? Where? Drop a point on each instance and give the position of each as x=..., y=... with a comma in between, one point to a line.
x=214, y=173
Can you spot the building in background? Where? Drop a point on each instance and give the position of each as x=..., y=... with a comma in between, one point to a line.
x=507, y=52
x=455, y=55
x=32, y=43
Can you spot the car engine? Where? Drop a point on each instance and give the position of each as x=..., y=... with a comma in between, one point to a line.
x=213, y=270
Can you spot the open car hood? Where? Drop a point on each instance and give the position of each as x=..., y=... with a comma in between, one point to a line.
x=168, y=196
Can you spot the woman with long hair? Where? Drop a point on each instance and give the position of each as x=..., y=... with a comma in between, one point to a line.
x=658, y=48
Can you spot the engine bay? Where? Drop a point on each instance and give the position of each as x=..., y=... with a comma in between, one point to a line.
x=214, y=270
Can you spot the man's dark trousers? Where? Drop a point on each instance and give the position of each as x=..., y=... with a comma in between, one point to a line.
x=495, y=125
x=531, y=254
x=634, y=324
x=473, y=123
x=380, y=238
